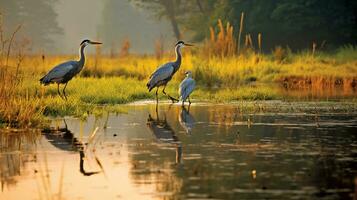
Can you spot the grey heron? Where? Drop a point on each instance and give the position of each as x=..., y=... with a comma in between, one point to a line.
x=64, y=72
x=165, y=72
x=186, y=88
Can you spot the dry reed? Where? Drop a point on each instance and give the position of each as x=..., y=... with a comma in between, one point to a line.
x=15, y=110
x=223, y=44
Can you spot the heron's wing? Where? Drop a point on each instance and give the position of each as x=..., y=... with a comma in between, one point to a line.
x=186, y=87
x=183, y=85
x=163, y=72
x=59, y=71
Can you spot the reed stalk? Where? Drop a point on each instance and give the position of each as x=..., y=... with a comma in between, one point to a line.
x=240, y=30
x=260, y=42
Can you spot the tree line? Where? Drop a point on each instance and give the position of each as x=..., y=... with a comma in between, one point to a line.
x=296, y=24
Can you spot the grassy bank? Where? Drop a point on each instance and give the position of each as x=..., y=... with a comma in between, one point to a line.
x=216, y=71
x=86, y=93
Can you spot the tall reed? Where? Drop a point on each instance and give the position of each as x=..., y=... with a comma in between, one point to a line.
x=223, y=44
x=240, y=30
x=16, y=109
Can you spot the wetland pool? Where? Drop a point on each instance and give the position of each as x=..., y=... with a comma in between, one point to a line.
x=207, y=151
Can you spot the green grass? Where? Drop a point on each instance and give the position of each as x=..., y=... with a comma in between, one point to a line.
x=86, y=94
x=101, y=95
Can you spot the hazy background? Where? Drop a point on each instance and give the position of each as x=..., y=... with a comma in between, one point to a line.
x=58, y=26
x=65, y=23
x=109, y=21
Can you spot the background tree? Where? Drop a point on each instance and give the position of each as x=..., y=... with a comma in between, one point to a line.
x=170, y=9
x=37, y=17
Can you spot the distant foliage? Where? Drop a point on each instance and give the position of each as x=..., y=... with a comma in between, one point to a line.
x=297, y=24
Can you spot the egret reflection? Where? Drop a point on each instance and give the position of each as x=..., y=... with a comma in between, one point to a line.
x=186, y=120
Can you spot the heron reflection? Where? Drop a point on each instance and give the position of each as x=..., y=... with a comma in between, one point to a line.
x=186, y=120
x=63, y=138
x=163, y=132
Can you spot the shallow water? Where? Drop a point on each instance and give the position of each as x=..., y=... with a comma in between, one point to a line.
x=206, y=152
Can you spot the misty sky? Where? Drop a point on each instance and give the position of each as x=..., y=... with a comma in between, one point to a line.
x=82, y=19
x=78, y=21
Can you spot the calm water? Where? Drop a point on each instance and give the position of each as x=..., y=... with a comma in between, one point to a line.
x=206, y=152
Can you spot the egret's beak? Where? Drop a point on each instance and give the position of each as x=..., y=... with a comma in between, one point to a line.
x=190, y=45
x=91, y=42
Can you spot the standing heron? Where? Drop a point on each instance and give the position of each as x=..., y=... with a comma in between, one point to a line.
x=165, y=72
x=186, y=88
x=64, y=72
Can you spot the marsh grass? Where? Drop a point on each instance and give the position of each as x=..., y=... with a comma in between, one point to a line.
x=346, y=53
x=222, y=75
x=215, y=71
x=15, y=110
x=114, y=81
x=123, y=79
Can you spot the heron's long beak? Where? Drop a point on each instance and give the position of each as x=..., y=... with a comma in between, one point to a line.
x=95, y=42
x=190, y=45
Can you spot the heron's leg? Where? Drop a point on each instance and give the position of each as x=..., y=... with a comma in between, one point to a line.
x=189, y=101
x=170, y=97
x=157, y=111
x=64, y=91
x=59, y=91
x=163, y=90
x=65, y=123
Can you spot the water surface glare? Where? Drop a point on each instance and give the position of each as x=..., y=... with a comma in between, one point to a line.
x=204, y=152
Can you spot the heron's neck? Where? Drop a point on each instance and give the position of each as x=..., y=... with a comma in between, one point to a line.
x=82, y=57
x=178, y=55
